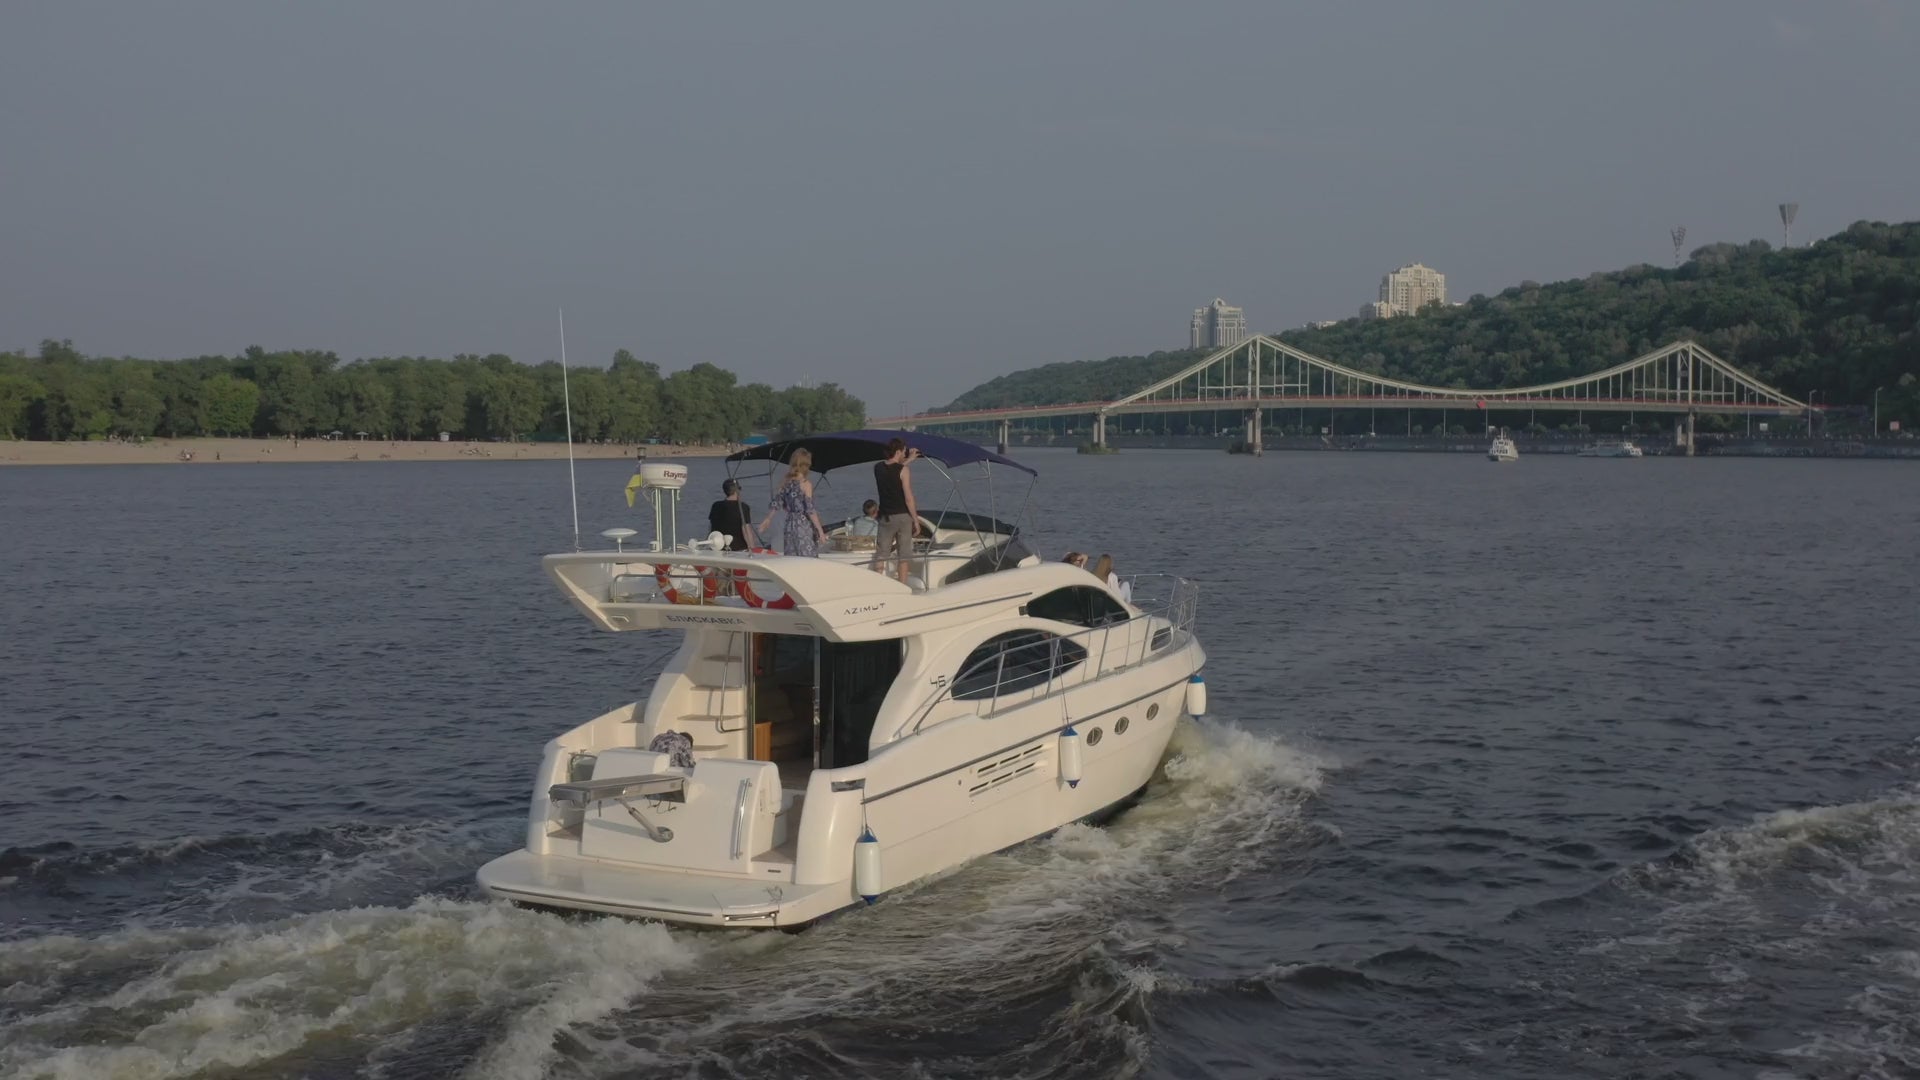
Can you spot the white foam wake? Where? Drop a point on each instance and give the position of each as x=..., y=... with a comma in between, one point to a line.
x=496, y=989
x=144, y=1005
x=1828, y=894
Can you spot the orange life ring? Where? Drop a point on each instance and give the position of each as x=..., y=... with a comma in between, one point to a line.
x=745, y=592
x=709, y=585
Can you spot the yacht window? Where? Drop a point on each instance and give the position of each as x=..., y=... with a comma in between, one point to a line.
x=1081, y=605
x=1016, y=660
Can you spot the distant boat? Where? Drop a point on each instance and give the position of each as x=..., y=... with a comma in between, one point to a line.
x=1503, y=448
x=1611, y=448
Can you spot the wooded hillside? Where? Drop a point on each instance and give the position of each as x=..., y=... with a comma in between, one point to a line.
x=1840, y=316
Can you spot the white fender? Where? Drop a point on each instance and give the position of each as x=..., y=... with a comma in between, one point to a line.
x=1070, y=764
x=1196, y=696
x=866, y=866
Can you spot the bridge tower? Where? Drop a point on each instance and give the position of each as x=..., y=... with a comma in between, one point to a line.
x=1006, y=431
x=1255, y=441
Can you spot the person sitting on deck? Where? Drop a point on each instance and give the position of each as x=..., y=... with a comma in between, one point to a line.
x=868, y=523
x=1103, y=569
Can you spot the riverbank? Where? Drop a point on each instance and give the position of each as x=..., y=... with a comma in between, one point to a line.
x=255, y=451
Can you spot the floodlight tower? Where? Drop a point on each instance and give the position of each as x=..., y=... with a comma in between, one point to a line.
x=1787, y=212
x=1679, y=235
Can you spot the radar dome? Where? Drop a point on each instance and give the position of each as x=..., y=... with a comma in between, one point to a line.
x=662, y=474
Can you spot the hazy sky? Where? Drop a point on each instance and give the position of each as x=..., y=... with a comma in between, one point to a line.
x=903, y=198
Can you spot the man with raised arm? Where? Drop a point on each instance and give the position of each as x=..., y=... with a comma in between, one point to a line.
x=899, y=517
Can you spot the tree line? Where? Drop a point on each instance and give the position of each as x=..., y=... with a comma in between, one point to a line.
x=1838, y=318
x=59, y=394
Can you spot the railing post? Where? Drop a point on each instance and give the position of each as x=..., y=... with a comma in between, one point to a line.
x=999, y=678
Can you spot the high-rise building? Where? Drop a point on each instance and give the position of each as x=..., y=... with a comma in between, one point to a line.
x=1217, y=326
x=1410, y=288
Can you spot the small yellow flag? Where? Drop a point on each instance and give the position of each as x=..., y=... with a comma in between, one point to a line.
x=634, y=485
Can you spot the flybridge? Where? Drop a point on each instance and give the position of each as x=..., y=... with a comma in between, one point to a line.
x=769, y=593
x=667, y=584
x=773, y=594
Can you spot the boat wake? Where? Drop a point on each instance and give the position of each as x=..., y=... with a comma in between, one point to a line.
x=194, y=881
x=1038, y=953
x=279, y=998
x=1825, y=899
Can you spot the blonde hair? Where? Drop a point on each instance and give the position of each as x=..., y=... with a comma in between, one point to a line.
x=1103, y=566
x=799, y=464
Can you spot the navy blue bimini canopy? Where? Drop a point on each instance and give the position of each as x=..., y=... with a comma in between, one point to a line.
x=839, y=449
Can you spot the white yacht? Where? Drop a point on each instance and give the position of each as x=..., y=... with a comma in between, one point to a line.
x=1503, y=448
x=825, y=733
x=1611, y=448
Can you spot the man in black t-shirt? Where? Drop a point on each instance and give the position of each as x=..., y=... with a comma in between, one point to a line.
x=899, y=517
x=731, y=516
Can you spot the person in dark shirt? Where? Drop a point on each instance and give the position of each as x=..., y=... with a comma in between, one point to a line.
x=732, y=516
x=899, y=517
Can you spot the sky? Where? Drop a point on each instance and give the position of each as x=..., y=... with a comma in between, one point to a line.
x=905, y=199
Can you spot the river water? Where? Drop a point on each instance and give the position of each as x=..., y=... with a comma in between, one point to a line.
x=1562, y=768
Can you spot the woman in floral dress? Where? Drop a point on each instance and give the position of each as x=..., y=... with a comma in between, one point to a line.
x=802, y=530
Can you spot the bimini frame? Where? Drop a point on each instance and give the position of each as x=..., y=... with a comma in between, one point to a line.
x=839, y=450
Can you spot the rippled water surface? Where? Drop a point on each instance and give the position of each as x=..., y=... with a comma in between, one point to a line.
x=1560, y=768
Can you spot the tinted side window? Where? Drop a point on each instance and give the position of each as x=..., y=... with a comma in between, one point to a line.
x=1016, y=660
x=1081, y=605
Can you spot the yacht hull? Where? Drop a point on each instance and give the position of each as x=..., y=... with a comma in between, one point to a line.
x=569, y=884
x=930, y=810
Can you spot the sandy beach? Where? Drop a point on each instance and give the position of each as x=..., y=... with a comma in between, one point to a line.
x=253, y=451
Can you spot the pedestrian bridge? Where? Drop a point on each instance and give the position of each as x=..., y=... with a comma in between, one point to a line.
x=1264, y=373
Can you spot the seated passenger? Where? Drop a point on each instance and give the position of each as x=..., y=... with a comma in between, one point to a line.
x=868, y=523
x=1074, y=558
x=1103, y=569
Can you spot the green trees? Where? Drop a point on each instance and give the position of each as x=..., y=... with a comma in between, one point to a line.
x=700, y=405
x=634, y=409
x=1839, y=317
x=60, y=394
x=816, y=408
x=1076, y=380
x=227, y=405
x=18, y=393
x=509, y=401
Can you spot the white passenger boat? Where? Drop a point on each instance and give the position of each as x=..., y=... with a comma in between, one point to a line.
x=826, y=733
x=1503, y=448
x=1611, y=448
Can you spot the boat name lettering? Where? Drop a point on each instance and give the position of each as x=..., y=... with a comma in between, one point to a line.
x=716, y=620
x=862, y=609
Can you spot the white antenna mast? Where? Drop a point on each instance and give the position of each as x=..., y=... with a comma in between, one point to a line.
x=566, y=395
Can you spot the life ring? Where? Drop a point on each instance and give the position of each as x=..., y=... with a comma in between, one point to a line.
x=745, y=592
x=709, y=585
